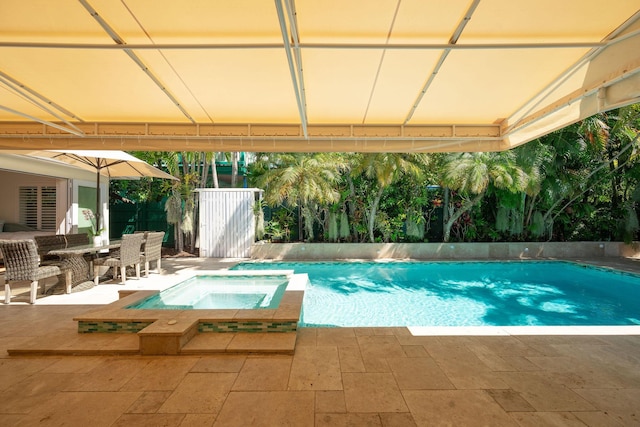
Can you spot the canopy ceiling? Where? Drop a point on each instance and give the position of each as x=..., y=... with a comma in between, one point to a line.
x=308, y=75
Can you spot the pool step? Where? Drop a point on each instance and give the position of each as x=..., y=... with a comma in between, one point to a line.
x=67, y=343
x=180, y=336
x=241, y=342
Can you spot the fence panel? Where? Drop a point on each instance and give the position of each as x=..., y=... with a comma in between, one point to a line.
x=227, y=222
x=125, y=218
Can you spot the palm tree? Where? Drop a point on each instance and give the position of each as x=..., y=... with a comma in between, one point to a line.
x=470, y=174
x=299, y=179
x=600, y=149
x=385, y=169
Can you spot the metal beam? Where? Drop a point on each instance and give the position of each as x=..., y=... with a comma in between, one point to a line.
x=255, y=131
x=295, y=36
x=452, y=42
x=380, y=62
x=128, y=50
x=24, y=90
x=541, y=96
x=292, y=69
x=251, y=144
x=630, y=72
x=253, y=137
x=328, y=46
x=75, y=131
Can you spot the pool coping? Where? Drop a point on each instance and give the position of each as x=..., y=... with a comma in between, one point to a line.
x=573, y=330
x=168, y=331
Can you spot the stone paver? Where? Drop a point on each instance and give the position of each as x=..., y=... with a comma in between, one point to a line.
x=336, y=377
x=264, y=373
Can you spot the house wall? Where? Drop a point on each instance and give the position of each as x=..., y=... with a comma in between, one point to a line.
x=10, y=183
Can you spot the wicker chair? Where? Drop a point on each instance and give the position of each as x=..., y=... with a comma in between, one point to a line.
x=76, y=239
x=48, y=243
x=22, y=263
x=129, y=254
x=152, y=250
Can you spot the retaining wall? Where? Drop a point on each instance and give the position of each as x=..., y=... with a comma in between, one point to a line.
x=506, y=250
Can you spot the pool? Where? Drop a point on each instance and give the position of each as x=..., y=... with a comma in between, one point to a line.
x=517, y=293
x=219, y=292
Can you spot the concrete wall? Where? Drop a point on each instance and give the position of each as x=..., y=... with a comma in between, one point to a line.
x=328, y=251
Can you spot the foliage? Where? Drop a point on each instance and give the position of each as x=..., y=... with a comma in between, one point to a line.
x=579, y=183
x=95, y=229
x=385, y=169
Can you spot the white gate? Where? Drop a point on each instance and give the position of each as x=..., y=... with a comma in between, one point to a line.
x=227, y=222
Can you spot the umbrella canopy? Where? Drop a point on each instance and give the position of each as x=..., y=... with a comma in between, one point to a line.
x=109, y=163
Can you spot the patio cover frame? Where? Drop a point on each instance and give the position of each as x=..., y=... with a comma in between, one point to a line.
x=306, y=76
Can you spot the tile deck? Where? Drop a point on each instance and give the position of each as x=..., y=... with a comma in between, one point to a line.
x=335, y=377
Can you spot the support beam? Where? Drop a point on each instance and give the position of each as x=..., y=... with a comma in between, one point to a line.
x=253, y=137
x=103, y=130
x=295, y=78
x=616, y=40
x=28, y=92
x=74, y=131
x=327, y=46
x=253, y=144
x=452, y=42
x=128, y=50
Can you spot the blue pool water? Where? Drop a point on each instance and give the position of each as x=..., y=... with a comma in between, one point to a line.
x=463, y=293
x=219, y=292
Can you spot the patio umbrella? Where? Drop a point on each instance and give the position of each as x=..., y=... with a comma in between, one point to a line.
x=110, y=163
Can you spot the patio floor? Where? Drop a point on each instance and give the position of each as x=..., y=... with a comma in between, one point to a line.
x=336, y=377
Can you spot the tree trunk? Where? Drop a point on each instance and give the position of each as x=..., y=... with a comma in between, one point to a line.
x=603, y=165
x=214, y=172
x=374, y=210
x=234, y=169
x=178, y=236
x=204, y=172
x=457, y=214
x=445, y=210
x=352, y=209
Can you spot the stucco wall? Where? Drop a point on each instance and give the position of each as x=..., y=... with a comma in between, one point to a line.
x=326, y=251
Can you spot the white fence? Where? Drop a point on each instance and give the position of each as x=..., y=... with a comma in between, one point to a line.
x=227, y=222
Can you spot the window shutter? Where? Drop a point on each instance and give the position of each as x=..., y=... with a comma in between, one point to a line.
x=29, y=206
x=38, y=207
x=48, y=208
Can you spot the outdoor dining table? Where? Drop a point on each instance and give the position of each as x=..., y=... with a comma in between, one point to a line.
x=75, y=264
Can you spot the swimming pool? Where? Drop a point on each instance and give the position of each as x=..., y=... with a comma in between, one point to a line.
x=219, y=292
x=518, y=293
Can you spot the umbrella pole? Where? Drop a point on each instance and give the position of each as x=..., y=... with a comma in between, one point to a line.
x=98, y=210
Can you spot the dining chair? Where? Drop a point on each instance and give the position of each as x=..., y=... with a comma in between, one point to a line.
x=22, y=263
x=129, y=254
x=152, y=250
x=76, y=239
x=48, y=243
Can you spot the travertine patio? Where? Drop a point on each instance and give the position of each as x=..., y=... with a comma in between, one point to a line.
x=346, y=376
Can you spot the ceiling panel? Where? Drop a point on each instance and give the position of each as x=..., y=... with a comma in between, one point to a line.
x=234, y=85
x=480, y=86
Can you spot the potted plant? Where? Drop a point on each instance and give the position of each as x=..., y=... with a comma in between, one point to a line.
x=95, y=232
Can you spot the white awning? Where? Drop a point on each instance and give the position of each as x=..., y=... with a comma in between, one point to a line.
x=332, y=75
